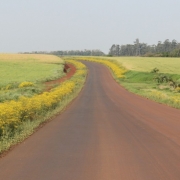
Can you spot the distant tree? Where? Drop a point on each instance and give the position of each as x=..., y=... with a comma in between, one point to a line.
x=137, y=47
x=165, y=49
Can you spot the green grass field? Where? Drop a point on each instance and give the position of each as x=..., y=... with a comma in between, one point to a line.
x=17, y=68
x=146, y=64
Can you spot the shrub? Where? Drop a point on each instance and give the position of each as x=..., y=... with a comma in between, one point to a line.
x=26, y=84
x=155, y=70
x=114, y=66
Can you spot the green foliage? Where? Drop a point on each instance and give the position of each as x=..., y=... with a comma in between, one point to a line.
x=138, y=77
x=15, y=94
x=155, y=70
x=163, y=78
x=85, y=52
x=165, y=49
x=178, y=89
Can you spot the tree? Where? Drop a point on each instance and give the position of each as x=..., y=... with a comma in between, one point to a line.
x=166, y=49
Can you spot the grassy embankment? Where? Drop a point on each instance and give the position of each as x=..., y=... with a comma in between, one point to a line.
x=19, y=118
x=139, y=79
x=18, y=68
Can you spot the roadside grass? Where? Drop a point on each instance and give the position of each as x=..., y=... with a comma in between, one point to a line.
x=139, y=79
x=15, y=94
x=12, y=136
x=143, y=83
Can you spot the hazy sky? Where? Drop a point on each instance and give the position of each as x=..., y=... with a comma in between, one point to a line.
x=35, y=25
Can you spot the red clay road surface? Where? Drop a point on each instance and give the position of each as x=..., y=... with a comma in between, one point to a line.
x=107, y=133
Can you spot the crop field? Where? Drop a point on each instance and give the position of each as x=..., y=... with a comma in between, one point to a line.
x=146, y=64
x=30, y=58
x=24, y=74
x=16, y=68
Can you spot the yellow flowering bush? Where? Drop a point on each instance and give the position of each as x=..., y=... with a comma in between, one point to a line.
x=25, y=84
x=117, y=70
x=12, y=113
x=78, y=65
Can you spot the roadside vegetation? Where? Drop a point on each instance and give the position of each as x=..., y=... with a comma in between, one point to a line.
x=150, y=85
x=161, y=85
x=114, y=66
x=20, y=117
x=138, y=76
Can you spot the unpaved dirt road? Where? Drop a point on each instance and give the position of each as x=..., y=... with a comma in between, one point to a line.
x=107, y=133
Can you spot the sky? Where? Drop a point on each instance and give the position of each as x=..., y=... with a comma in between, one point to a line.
x=50, y=25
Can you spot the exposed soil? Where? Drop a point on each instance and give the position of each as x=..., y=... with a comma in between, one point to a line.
x=69, y=69
x=107, y=133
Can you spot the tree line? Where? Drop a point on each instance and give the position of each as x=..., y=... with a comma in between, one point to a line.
x=85, y=52
x=161, y=49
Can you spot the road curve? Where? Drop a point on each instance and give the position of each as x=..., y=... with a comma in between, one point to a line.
x=107, y=133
